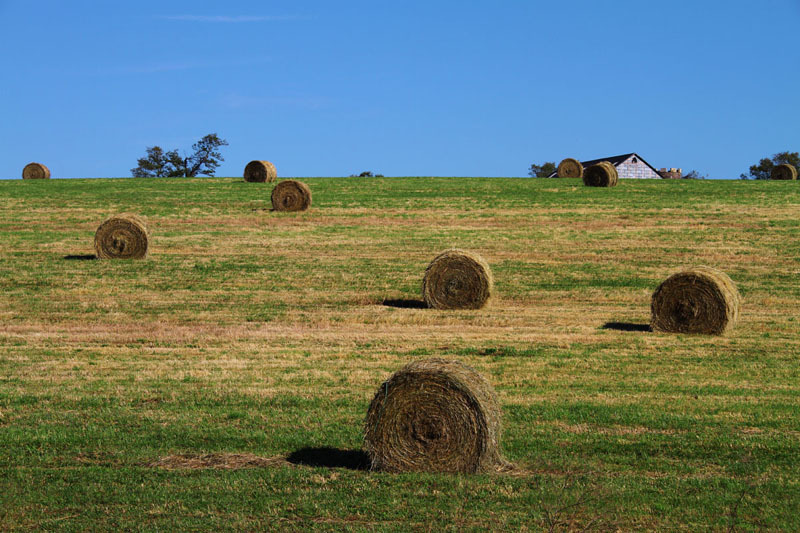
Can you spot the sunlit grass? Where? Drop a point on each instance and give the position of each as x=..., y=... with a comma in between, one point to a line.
x=260, y=332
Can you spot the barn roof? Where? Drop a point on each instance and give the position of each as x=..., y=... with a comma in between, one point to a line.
x=615, y=160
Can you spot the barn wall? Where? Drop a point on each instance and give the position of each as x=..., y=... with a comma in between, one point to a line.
x=638, y=170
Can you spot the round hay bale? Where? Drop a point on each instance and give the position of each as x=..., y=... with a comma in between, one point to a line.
x=696, y=300
x=291, y=195
x=784, y=172
x=602, y=174
x=457, y=279
x=434, y=415
x=35, y=171
x=569, y=168
x=260, y=172
x=121, y=237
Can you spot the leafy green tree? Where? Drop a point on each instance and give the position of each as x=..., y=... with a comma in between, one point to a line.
x=204, y=160
x=156, y=164
x=763, y=169
x=206, y=156
x=542, y=171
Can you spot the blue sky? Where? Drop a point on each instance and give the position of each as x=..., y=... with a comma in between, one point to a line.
x=450, y=88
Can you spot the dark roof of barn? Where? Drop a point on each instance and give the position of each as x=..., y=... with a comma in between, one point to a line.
x=615, y=160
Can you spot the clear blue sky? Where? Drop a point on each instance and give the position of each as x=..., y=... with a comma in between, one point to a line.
x=417, y=87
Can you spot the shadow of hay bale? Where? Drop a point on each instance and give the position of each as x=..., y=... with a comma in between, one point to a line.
x=330, y=458
x=80, y=257
x=405, y=303
x=627, y=326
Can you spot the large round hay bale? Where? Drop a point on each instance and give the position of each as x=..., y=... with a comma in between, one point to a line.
x=35, y=171
x=784, y=172
x=569, y=168
x=434, y=415
x=291, y=195
x=122, y=236
x=697, y=300
x=602, y=174
x=260, y=172
x=457, y=279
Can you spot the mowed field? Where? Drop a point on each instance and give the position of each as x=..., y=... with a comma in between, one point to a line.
x=131, y=391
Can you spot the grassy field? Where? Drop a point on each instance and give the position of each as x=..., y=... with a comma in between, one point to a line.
x=131, y=392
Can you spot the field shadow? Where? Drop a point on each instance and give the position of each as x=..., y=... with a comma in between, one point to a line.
x=626, y=326
x=405, y=303
x=80, y=257
x=330, y=458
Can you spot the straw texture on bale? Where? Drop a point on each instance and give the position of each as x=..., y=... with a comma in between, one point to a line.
x=602, y=174
x=434, y=415
x=569, y=168
x=696, y=300
x=784, y=172
x=260, y=172
x=122, y=236
x=291, y=195
x=35, y=171
x=457, y=279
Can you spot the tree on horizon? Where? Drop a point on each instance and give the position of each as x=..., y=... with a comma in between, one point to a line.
x=763, y=170
x=204, y=160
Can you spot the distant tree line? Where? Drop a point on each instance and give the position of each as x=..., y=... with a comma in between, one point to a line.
x=204, y=160
x=366, y=174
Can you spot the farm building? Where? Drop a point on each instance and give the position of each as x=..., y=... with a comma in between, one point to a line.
x=628, y=166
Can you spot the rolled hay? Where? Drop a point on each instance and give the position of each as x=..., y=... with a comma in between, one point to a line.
x=697, y=300
x=457, y=279
x=434, y=415
x=784, y=172
x=121, y=236
x=569, y=168
x=260, y=172
x=291, y=195
x=602, y=174
x=35, y=171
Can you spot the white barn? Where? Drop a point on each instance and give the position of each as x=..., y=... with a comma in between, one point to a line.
x=629, y=166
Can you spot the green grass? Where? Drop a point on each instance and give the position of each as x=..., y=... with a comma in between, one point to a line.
x=247, y=331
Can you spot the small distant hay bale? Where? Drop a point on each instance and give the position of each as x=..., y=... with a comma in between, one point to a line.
x=260, y=172
x=35, y=171
x=434, y=415
x=569, y=168
x=602, y=174
x=697, y=300
x=121, y=236
x=457, y=279
x=784, y=172
x=291, y=195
